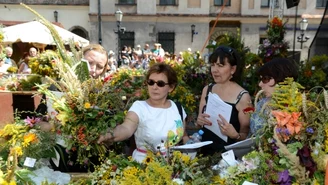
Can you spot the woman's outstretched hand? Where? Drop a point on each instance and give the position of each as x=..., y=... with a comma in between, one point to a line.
x=107, y=138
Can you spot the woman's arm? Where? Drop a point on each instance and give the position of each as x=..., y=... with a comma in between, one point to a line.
x=21, y=68
x=122, y=131
x=244, y=118
x=201, y=119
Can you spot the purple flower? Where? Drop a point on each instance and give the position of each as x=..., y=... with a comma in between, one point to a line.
x=31, y=121
x=284, y=178
x=306, y=160
x=309, y=130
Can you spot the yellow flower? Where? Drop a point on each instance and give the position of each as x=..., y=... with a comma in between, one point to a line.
x=18, y=150
x=185, y=159
x=87, y=105
x=29, y=138
x=12, y=183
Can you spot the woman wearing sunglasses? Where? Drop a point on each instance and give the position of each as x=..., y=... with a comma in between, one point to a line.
x=226, y=69
x=271, y=73
x=155, y=122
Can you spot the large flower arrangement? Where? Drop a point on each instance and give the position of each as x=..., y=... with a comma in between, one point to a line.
x=27, y=139
x=293, y=148
x=178, y=168
x=274, y=45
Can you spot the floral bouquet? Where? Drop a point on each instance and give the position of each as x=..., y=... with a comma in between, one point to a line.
x=177, y=168
x=26, y=139
x=293, y=146
x=274, y=45
x=44, y=64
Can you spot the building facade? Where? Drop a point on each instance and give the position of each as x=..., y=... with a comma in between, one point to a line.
x=168, y=22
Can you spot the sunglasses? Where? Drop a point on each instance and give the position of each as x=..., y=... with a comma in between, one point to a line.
x=265, y=79
x=227, y=50
x=159, y=83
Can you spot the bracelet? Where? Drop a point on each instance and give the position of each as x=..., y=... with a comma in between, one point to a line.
x=239, y=136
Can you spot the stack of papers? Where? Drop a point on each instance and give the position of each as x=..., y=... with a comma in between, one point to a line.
x=215, y=106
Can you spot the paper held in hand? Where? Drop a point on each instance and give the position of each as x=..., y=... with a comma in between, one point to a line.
x=215, y=106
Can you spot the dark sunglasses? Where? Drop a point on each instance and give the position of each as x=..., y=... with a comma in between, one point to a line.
x=159, y=83
x=265, y=79
x=225, y=49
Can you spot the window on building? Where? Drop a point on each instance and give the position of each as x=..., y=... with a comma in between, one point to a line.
x=126, y=2
x=167, y=2
x=265, y=3
x=220, y=3
x=127, y=39
x=321, y=3
x=167, y=40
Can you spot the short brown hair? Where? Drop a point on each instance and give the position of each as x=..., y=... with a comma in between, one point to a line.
x=167, y=70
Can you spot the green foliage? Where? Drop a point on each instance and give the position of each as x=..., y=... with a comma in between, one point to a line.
x=287, y=97
x=81, y=69
x=314, y=72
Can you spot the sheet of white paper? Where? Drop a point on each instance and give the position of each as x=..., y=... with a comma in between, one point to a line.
x=229, y=157
x=248, y=183
x=29, y=162
x=192, y=146
x=214, y=107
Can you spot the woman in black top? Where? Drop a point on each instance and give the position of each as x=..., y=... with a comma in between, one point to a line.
x=226, y=70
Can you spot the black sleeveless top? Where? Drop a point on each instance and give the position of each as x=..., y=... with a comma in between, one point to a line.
x=218, y=144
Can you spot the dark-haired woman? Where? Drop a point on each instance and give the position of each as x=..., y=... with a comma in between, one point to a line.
x=155, y=122
x=271, y=73
x=226, y=69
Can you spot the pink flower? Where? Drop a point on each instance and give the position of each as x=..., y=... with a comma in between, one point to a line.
x=31, y=121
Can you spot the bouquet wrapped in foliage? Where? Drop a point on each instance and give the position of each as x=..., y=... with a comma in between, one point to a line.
x=26, y=139
x=44, y=64
x=293, y=148
x=274, y=45
x=178, y=168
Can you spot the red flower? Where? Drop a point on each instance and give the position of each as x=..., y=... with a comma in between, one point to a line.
x=248, y=110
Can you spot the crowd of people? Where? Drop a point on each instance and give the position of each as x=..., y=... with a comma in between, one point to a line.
x=152, y=119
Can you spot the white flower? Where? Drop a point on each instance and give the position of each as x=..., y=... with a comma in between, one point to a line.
x=123, y=97
x=178, y=181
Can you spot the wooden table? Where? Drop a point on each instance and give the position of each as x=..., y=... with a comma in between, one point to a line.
x=16, y=100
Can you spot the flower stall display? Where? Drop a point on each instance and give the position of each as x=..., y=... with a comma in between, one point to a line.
x=177, y=168
x=27, y=139
x=21, y=143
x=293, y=147
x=275, y=45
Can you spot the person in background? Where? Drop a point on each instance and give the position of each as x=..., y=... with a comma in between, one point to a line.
x=154, y=122
x=7, y=59
x=33, y=52
x=226, y=69
x=146, y=50
x=3, y=67
x=97, y=57
x=271, y=73
x=138, y=51
x=23, y=67
x=125, y=57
